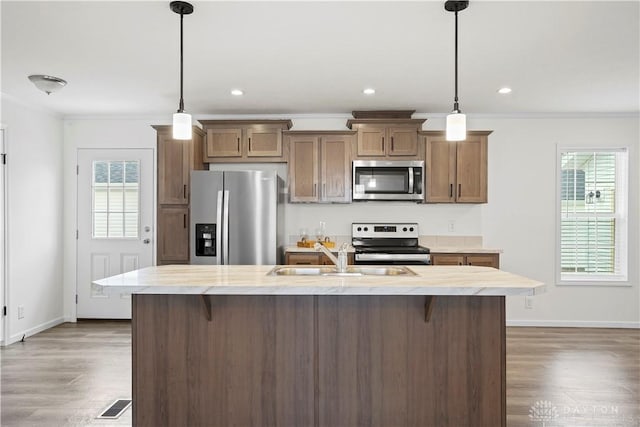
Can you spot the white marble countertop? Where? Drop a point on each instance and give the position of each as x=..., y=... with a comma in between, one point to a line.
x=434, y=250
x=253, y=280
x=463, y=250
x=294, y=248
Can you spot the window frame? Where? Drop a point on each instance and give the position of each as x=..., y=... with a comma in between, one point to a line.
x=621, y=215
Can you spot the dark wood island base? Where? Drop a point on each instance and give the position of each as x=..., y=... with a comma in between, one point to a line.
x=279, y=360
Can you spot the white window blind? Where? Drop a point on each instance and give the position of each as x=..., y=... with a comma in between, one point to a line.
x=593, y=215
x=115, y=191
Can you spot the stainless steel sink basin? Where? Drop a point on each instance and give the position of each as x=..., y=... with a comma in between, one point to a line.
x=286, y=270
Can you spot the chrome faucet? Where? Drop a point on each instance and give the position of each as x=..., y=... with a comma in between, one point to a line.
x=341, y=261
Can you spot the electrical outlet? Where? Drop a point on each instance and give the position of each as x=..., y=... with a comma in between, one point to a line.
x=528, y=303
x=20, y=311
x=452, y=226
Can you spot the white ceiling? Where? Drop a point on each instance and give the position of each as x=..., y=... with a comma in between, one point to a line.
x=316, y=57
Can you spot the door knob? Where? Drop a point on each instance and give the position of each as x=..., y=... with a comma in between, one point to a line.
x=146, y=241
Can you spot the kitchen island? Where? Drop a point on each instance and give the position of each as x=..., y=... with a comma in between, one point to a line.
x=231, y=345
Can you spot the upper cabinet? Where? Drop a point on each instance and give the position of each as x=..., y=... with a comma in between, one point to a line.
x=320, y=166
x=386, y=134
x=456, y=171
x=238, y=141
x=176, y=159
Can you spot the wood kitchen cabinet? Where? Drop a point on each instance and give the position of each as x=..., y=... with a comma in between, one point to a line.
x=243, y=141
x=386, y=138
x=456, y=172
x=311, y=258
x=482, y=260
x=320, y=166
x=176, y=160
x=173, y=234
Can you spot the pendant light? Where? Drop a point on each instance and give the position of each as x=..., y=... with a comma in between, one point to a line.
x=181, y=120
x=456, y=121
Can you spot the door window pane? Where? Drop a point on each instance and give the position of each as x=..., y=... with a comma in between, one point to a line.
x=116, y=199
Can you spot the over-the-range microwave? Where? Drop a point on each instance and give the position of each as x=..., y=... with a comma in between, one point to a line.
x=388, y=180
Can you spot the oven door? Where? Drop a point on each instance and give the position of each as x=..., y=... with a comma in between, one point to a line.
x=388, y=180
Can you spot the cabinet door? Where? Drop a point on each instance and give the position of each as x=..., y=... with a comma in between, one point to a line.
x=173, y=234
x=335, y=168
x=302, y=259
x=403, y=141
x=447, y=259
x=471, y=170
x=441, y=170
x=173, y=170
x=484, y=260
x=264, y=142
x=224, y=143
x=303, y=169
x=371, y=141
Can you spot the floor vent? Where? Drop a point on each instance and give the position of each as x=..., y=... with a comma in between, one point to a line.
x=116, y=409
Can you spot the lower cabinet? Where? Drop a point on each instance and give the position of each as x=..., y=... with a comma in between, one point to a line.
x=173, y=234
x=481, y=260
x=306, y=258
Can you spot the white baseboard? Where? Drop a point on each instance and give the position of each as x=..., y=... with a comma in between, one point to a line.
x=573, y=324
x=32, y=331
x=70, y=319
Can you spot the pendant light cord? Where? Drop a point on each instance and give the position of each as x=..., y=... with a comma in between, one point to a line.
x=456, y=107
x=181, y=106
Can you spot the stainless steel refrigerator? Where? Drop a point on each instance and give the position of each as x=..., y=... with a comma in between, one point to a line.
x=237, y=217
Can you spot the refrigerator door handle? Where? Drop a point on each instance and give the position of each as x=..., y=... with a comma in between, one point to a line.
x=219, y=229
x=225, y=233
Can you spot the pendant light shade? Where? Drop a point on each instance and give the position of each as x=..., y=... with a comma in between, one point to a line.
x=181, y=120
x=456, y=127
x=182, y=126
x=456, y=121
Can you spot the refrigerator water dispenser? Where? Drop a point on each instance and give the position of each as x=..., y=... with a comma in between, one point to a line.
x=205, y=240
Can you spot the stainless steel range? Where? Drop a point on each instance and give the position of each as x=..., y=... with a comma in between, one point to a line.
x=388, y=244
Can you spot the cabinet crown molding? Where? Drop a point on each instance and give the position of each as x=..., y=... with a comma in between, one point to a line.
x=283, y=123
x=385, y=122
x=383, y=114
x=443, y=132
x=169, y=128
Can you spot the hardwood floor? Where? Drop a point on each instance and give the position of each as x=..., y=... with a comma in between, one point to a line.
x=561, y=377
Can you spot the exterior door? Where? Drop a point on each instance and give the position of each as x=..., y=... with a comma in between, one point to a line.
x=115, y=218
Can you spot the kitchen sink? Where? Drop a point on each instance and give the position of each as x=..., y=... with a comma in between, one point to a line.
x=286, y=270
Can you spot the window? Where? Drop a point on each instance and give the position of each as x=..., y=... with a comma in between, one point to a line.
x=592, y=215
x=115, y=198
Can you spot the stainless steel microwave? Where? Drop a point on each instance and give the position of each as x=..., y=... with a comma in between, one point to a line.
x=388, y=180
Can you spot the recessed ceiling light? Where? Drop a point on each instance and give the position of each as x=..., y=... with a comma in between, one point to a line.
x=504, y=90
x=369, y=91
x=237, y=92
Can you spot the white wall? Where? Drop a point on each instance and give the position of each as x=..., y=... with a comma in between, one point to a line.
x=93, y=133
x=519, y=218
x=34, y=216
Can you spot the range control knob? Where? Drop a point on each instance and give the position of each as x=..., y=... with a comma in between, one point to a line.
x=359, y=228
x=366, y=229
x=411, y=229
x=404, y=229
